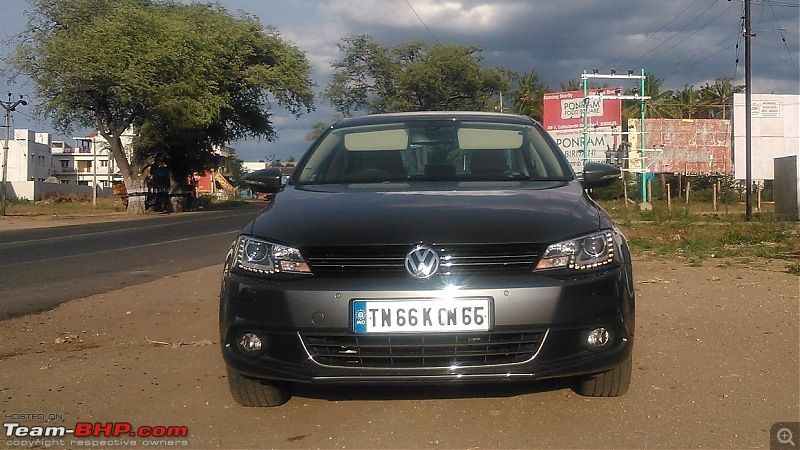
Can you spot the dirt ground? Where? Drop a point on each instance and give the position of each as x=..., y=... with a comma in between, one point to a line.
x=23, y=221
x=715, y=365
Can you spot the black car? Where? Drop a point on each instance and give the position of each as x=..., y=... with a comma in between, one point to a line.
x=436, y=247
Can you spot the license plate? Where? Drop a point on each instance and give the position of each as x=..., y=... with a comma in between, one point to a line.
x=404, y=316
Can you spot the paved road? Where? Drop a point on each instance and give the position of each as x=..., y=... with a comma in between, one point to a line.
x=41, y=268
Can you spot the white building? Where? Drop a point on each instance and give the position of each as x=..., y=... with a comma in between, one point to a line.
x=88, y=163
x=253, y=166
x=775, y=134
x=29, y=156
x=30, y=168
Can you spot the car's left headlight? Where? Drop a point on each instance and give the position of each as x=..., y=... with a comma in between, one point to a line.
x=263, y=257
x=582, y=253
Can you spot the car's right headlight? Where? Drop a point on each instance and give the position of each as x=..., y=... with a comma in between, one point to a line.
x=264, y=257
x=582, y=253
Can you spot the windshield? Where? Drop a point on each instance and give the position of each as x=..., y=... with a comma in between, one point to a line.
x=433, y=151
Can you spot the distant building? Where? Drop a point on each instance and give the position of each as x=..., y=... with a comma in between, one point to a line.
x=89, y=162
x=253, y=166
x=213, y=181
x=286, y=166
x=775, y=120
x=30, y=168
x=29, y=156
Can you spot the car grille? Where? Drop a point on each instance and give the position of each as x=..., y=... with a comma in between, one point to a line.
x=455, y=258
x=430, y=350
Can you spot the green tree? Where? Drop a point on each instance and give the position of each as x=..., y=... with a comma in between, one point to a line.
x=660, y=105
x=316, y=131
x=571, y=85
x=717, y=98
x=688, y=102
x=412, y=76
x=529, y=96
x=364, y=78
x=183, y=76
x=577, y=85
x=235, y=171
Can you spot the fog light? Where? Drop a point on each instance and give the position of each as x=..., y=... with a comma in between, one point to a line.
x=598, y=338
x=250, y=343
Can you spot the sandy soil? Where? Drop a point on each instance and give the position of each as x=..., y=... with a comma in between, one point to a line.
x=23, y=221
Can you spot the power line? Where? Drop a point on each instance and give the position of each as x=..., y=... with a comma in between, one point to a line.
x=772, y=3
x=690, y=34
x=738, y=42
x=651, y=36
x=783, y=38
x=683, y=64
x=422, y=22
x=633, y=63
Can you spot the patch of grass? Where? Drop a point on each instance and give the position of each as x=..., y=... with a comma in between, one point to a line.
x=695, y=262
x=793, y=268
x=638, y=243
x=696, y=237
x=63, y=204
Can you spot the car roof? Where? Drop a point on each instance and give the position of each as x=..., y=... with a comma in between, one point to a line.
x=376, y=119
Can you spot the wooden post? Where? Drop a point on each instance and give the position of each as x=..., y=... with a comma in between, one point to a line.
x=680, y=185
x=625, y=189
x=714, y=198
x=669, y=196
x=759, y=198
x=650, y=191
x=688, y=190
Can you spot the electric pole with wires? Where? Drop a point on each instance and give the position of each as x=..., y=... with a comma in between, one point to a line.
x=10, y=107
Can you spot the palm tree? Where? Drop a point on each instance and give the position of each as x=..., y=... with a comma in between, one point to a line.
x=660, y=105
x=577, y=85
x=571, y=85
x=530, y=96
x=718, y=97
x=689, y=102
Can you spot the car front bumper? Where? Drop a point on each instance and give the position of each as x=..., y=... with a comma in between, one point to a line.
x=539, y=328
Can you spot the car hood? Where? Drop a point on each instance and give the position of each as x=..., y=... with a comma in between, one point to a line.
x=537, y=212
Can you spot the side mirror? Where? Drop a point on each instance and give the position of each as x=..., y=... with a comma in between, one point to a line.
x=597, y=175
x=267, y=181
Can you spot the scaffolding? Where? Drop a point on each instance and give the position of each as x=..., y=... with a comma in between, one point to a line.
x=638, y=94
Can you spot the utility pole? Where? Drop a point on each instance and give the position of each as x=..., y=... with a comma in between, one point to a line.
x=748, y=99
x=501, y=101
x=94, y=172
x=9, y=106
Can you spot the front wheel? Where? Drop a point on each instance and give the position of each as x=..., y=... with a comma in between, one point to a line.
x=251, y=392
x=613, y=383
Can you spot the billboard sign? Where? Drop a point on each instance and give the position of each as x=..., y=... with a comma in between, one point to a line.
x=770, y=109
x=564, y=110
x=563, y=119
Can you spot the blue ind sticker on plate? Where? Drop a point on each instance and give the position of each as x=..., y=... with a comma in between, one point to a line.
x=360, y=317
x=422, y=315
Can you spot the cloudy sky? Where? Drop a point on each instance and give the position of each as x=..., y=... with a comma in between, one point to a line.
x=682, y=41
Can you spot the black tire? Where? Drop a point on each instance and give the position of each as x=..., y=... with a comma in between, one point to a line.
x=613, y=383
x=251, y=392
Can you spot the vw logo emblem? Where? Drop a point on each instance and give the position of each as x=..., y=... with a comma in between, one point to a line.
x=422, y=262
